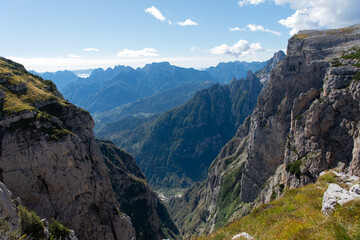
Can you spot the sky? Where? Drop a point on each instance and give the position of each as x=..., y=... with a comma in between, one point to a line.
x=50, y=35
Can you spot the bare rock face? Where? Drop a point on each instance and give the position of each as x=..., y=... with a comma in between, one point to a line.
x=50, y=159
x=8, y=211
x=306, y=121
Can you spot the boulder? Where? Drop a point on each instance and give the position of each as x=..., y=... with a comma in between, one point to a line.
x=337, y=195
x=242, y=235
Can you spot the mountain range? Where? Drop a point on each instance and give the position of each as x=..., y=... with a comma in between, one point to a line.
x=107, y=89
x=174, y=148
x=60, y=78
x=224, y=72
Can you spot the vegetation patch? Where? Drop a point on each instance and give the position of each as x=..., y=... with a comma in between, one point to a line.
x=357, y=76
x=336, y=62
x=37, y=89
x=30, y=224
x=352, y=53
x=294, y=168
x=58, y=231
x=229, y=196
x=7, y=233
x=301, y=36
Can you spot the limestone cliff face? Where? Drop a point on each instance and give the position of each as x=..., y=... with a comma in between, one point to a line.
x=306, y=121
x=50, y=159
x=148, y=215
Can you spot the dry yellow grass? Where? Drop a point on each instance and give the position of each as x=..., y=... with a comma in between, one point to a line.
x=36, y=90
x=297, y=215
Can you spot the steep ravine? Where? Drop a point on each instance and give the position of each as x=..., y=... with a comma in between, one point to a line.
x=306, y=121
x=148, y=215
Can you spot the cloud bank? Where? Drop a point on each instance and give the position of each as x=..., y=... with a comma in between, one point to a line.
x=73, y=56
x=250, y=2
x=255, y=28
x=239, y=49
x=312, y=14
x=146, y=52
x=316, y=14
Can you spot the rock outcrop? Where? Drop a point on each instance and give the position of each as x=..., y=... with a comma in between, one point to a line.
x=337, y=195
x=148, y=215
x=242, y=235
x=8, y=211
x=306, y=121
x=264, y=73
x=50, y=159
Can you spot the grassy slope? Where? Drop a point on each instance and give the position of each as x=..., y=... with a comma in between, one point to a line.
x=297, y=215
x=38, y=90
x=23, y=92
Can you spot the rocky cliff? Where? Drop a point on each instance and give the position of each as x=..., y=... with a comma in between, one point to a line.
x=148, y=215
x=306, y=121
x=49, y=157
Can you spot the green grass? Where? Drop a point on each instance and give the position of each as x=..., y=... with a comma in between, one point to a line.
x=297, y=215
x=58, y=231
x=228, y=200
x=37, y=89
x=6, y=232
x=352, y=53
x=294, y=168
x=357, y=76
x=30, y=224
x=301, y=36
x=336, y=62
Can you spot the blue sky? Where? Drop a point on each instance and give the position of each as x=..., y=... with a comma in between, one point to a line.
x=49, y=35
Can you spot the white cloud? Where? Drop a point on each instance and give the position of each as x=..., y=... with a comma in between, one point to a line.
x=315, y=14
x=234, y=29
x=91, y=49
x=250, y=2
x=156, y=13
x=241, y=48
x=188, y=22
x=73, y=56
x=254, y=28
x=260, y=28
x=146, y=52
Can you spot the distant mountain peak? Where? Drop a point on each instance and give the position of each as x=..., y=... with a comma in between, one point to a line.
x=157, y=65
